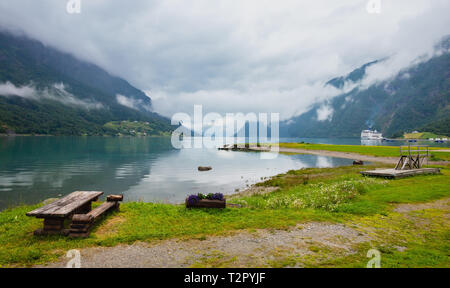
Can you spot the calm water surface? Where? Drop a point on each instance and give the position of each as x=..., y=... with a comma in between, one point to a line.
x=33, y=169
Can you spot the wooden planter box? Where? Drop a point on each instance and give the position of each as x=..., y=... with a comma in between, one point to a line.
x=205, y=203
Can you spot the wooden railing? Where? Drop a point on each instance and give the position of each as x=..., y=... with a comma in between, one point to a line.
x=413, y=158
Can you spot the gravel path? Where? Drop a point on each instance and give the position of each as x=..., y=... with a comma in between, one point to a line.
x=354, y=156
x=243, y=249
x=443, y=204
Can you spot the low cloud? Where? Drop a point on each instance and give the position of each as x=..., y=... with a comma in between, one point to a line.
x=287, y=103
x=132, y=103
x=69, y=99
x=57, y=93
x=324, y=113
x=9, y=89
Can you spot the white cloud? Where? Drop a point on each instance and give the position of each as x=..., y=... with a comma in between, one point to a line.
x=236, y=56
x=55, y=93
x=324, y=113
x=122, y=100
x=9, y=89
x=136, y=104
x=69, y=99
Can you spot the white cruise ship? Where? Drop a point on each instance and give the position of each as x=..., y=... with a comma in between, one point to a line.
x=371, y=135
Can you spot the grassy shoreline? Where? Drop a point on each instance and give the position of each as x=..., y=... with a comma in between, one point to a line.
x=331, y=195
x=377, y=151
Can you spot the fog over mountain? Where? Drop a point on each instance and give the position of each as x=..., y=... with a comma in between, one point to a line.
x=417, y=98
x=237, y=56
x=46, y=91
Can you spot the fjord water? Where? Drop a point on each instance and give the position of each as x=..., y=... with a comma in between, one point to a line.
x=33, y=169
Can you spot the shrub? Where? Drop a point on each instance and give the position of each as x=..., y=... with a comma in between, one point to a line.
x=321, y=196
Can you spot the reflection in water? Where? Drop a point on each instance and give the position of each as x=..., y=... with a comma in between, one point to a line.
x=371, y=142
x=174, y=176
x=36, y=168
x=324, y=162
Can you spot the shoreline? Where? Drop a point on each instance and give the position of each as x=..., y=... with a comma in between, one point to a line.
x=345, y=155
x=25, y=135
x=355, y=156
x=380, y=154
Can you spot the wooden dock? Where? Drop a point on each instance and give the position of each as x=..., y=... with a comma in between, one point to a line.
x=395, y=174
x=245, y=148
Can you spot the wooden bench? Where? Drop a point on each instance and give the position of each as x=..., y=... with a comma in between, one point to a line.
x=82, y=223
x=54, y=214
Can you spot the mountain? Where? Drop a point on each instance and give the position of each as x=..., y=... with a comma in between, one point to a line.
x=416, y=99
x=354, y=76
x=46, y=91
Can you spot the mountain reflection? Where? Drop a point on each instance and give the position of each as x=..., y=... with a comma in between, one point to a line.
x=33, y=169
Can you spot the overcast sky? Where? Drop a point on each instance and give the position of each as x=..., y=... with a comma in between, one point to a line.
x=235, y=56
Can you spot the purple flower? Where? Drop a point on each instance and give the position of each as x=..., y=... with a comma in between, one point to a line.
x=217, y=196
x=193, y=199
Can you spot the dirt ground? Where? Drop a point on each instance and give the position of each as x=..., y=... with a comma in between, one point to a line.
x=439, y=204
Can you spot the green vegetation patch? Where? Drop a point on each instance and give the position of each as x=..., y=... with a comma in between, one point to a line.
x=135, y=128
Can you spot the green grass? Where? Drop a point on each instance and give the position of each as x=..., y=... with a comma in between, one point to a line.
x=135, y=128
x=359, y=200
x=377, y=151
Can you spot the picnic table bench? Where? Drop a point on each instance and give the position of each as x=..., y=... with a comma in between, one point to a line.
x=55, y=213
x=82, y=223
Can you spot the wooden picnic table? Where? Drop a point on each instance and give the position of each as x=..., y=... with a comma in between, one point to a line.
x=54, y=214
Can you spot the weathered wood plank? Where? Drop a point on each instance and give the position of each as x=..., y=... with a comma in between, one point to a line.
x=53, y=227
x=114, y=198
x=392, y=173
x=84, y=229
x=97, y=212
x=82, y=223
x=206, y=203
x=78, y=235
x=82, y=218
x=43, y=232
x=50, y=221
x=78, y=225
x=66, y=206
